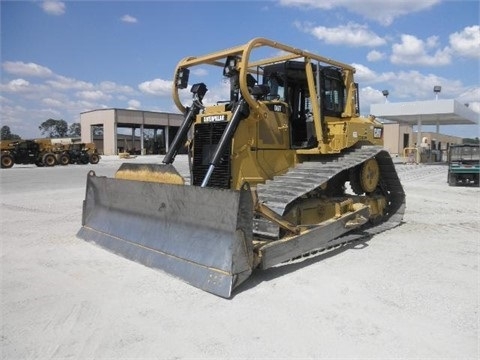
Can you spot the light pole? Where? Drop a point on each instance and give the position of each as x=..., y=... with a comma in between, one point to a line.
x=385, y=93
x=436, y=90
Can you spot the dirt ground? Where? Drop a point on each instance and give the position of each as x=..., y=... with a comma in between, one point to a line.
x=411, y=292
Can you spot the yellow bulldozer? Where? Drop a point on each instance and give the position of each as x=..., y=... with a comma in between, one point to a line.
x=283, y=167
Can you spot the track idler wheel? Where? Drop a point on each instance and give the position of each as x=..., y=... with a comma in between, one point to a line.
x=365, y=177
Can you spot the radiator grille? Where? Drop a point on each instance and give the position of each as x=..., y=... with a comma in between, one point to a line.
x=206, y=138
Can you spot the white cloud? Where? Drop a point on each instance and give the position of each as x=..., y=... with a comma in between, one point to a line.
x=364, y=74
x=16, y=85
x=217, y=92
x=408, y=84
x=156, y=87
x=413, y=84
x=129, y=19
x=4, y=100
x=40, y=93
x=466, y=42
x=65, y=83
x=432, y=42
x=24, y=88
x=134, y=104
x=404, y=86
x=112, y=87
x=417, y=85
x=323, y=5
x=10, y=113
x=471, y=96
x=352, y=34
x=53, y=102
x=199, y=72
x=413, y=51
x=20, y=68
x=375, y=55
x=93, y=95
x=24, y=121
x=369, y=95
x=381, y=11
x=53, y=7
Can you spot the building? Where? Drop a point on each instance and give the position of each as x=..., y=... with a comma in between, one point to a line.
x=112, y=120
x=398, y=136
x=400, y=139
x=402, y=117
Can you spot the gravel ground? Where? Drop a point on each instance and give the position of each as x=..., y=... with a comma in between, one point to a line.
x=411, y=292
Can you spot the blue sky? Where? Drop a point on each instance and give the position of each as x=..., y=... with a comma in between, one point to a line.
x=60, y=58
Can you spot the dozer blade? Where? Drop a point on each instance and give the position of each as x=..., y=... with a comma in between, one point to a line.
x=166, y=174
x=200, y=235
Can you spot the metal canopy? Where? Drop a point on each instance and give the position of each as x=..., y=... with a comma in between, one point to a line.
x=434, y=112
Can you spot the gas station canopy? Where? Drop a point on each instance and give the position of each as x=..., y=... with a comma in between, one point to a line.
x=434, y=112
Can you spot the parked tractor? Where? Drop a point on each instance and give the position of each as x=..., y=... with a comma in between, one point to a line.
x=27, y=152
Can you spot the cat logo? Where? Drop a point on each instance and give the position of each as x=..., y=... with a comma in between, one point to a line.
x=214, y=118
x=277, y=107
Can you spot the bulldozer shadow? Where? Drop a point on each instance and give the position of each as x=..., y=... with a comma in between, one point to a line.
x=260, y=276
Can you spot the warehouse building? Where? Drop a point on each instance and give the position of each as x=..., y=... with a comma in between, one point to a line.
x=110, y=123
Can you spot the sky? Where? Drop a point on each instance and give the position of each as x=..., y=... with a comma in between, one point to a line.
x=61, y=58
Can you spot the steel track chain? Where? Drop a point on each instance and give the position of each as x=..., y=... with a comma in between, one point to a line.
x=309, y=176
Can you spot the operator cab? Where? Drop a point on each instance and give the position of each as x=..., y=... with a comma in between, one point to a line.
x=288, y=83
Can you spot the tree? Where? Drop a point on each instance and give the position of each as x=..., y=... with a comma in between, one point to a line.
x=6, y=134
x=54, y=128
x=470, y=141
x=97, y=130
x=74, y=130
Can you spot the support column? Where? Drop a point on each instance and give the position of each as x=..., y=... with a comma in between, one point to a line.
x=110, y=136
x=133, y=137
x=438, y=141
x=167, y=135
x=142, y=147
x=142, y=134
x=115, y=138
x=419, y=138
